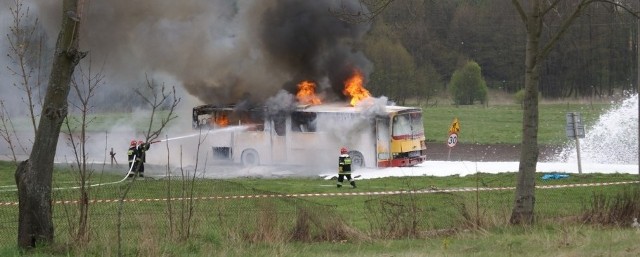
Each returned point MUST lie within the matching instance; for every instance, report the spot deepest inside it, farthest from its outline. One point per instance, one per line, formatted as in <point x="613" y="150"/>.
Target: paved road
<point x="477" y="152"/>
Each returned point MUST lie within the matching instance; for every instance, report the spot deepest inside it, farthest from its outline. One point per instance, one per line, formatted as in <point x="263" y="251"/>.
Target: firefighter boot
<point x="353" y="184"/>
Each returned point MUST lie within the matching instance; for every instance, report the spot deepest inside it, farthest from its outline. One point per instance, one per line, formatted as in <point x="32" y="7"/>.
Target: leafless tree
<point x="157" y="99"/>
<point x="187" y="193"/>
<point x="537" y="16"/>
<point x="24" y="52"/>
<point x="537" y="49"/>
<point x="34" y="176"/>
<point x="84" y="86"/>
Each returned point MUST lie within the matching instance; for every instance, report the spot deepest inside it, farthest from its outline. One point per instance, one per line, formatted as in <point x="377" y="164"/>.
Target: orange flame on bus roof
<point x="307" y="93"/>
<point x="353" y="88"/>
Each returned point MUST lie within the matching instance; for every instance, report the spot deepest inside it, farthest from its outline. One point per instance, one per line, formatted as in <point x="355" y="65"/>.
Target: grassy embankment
<point x="427" y="224"/>
<point x="502" y="124"/>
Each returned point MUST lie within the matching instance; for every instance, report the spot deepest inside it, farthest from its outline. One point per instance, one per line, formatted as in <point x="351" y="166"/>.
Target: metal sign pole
<point x="575" y="132"/>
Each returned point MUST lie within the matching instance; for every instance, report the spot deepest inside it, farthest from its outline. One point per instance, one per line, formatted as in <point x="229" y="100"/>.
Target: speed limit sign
<point x="453" y="139"/>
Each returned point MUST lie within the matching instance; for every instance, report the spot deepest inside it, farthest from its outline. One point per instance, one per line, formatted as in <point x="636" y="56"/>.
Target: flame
<point x="353" y="88"/>
<point x="307" y="93"/>
<point x="222" y="120"/>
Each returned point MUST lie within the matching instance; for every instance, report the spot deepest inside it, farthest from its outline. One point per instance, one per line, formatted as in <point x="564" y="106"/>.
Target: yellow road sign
<point x="455" y="126"/>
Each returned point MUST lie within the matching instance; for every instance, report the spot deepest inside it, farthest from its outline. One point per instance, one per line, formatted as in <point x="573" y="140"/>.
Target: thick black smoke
<point x="220" y="51"/>
<point x="305" y="39"/>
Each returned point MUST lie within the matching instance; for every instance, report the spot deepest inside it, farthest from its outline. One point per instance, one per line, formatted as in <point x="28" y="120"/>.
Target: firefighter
<point x="142" y="153"/>
<point x="133" y="156"/>
<point x="344" y="168"/>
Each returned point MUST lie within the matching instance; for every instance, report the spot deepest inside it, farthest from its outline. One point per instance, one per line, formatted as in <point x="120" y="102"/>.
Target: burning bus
<point x="310" y="132"/>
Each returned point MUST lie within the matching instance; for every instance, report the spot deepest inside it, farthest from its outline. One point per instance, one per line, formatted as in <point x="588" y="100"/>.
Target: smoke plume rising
<point x="221" y="51"/>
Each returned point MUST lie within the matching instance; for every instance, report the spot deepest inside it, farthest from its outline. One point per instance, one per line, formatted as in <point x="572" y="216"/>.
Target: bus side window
<point x="303" y="122"/>
<point x="280" y="126"/>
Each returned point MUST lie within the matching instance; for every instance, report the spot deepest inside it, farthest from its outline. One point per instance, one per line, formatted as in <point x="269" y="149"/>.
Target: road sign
<point x="453" y="140"/>
<point x="455" y="126"/>
<point x="574" y="127"/>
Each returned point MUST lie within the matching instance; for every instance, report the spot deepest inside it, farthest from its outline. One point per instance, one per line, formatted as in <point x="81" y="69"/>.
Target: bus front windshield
<point x="407" y="125"/>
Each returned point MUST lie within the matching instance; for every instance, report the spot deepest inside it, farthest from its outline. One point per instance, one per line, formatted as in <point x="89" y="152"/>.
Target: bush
<point x="519" y="97"/>
<point x="467" y="85"/>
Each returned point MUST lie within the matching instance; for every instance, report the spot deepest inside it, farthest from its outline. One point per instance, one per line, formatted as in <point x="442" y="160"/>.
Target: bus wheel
<point x="357" y="160"/>
<point x="250" y="157"/>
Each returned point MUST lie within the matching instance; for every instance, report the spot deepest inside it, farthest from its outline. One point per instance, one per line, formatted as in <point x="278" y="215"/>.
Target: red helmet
<point x="140" y="142"/>
<point x="343" y="150"/>
<point x="133" y="142"/>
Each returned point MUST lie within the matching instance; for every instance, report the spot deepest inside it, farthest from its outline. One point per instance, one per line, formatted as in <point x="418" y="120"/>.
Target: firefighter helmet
<point x="343" y="150"/>
<point x="133" y="142"/>
<point x="140" y="142"/>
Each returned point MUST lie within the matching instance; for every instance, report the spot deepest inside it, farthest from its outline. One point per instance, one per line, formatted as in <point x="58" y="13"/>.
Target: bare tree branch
<point x="166" y="100"/>
<point x="518" y="6"/>
<point x="8" y="133"/>
<point x="85" y="88"/>
<point x="21" y="52"/>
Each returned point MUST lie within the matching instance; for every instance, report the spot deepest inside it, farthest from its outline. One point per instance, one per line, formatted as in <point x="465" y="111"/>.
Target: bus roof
<point x="345" y="108"/>
<point x="322" y="108"/>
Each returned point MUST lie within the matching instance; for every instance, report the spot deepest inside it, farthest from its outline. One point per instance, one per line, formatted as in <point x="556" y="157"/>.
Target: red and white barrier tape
<point x="423" y="191"/>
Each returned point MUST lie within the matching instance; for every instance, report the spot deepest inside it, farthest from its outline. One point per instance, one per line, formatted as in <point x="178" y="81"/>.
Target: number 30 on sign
<point x="453" y="139"/>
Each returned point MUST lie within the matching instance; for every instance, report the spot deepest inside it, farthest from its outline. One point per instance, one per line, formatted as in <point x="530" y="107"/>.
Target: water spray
<point x="212" y="131"/>
<point x="613" y="139"/>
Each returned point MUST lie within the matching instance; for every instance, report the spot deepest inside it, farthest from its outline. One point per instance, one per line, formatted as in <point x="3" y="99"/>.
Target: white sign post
<point x="575" y="130"/>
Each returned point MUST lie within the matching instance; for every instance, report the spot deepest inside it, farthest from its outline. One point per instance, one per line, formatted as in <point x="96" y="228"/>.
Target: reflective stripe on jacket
<point x="344" y="164"/>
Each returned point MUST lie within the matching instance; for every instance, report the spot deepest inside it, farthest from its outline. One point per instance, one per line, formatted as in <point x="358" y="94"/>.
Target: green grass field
<point x="318" y="222"/>
<point x="503" y="123"/>
<point x="498" y="124"/>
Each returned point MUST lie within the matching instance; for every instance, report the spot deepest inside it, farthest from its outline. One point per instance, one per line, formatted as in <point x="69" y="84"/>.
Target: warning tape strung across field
<point x="423" y="191"/>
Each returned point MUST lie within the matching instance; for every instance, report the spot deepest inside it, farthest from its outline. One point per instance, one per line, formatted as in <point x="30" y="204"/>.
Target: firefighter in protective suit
<point x="133" y="156"/>
<point x="344" y="168"/>
<point x="142" y="153"/>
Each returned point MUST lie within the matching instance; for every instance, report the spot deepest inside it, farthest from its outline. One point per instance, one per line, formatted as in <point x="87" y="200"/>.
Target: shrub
<point x="467" y="85"/>
<point x="519" y="97"/>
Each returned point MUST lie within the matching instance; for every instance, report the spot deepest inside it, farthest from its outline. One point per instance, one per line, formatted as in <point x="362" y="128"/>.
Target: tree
<point x="157" y="99"/>
<point x="85" y="86"/>
<point x="536" y="51"/>
<point x="24" y="51"/>
<point x="34" y="175"/>
<point x="467" y="85"/>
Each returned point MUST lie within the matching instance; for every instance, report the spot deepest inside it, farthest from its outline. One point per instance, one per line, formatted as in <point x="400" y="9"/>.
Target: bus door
<point x="383" y="142"/>
<point x="278" y="138"/>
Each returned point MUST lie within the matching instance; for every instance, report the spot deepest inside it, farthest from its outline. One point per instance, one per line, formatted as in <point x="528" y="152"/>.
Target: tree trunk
<point x="34" y="176"/>
<point x="523" y="208"/>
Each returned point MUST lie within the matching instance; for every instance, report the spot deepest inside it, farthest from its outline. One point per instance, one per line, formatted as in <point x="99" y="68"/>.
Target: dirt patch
<point x="484" y="152"/>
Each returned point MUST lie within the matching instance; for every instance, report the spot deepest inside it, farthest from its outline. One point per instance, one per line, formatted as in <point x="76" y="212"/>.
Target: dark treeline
<point x="418" y="44"/>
